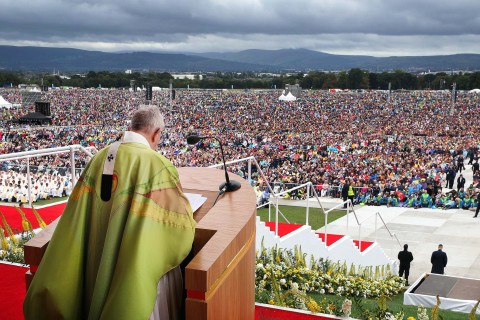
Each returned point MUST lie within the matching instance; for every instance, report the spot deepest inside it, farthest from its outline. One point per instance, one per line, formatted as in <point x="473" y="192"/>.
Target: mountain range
<point x="77" y="60"/>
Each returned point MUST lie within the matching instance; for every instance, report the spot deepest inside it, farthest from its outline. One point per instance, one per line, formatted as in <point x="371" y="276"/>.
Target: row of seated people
<point x="14" y="187"/>
<point x="421" y="199"/>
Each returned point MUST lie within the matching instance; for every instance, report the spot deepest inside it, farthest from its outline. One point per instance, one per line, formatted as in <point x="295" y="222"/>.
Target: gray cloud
<point x="349" y="26"/>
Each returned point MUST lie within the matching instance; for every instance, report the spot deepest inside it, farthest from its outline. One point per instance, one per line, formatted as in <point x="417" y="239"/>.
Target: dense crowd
<point x="400" y="146"/>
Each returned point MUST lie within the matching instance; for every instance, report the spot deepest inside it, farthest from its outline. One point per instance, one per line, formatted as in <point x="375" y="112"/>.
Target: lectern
<point x="220" y="270"/>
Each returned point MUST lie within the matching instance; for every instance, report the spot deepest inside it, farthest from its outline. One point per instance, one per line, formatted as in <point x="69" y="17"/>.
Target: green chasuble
<point x="105" y="258"/>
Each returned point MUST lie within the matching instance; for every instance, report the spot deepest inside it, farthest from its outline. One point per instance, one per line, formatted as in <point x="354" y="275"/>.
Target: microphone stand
<point x="228" y="185"/>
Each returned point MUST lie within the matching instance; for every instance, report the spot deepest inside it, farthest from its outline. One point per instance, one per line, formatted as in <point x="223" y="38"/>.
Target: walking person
<point x="439" y="260"/>
<point x="478" y="204"/>
<point x="405" y="258"/>
<point x="460" y="164"/>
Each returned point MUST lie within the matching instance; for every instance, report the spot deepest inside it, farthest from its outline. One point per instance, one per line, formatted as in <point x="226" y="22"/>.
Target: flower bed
<point x="288" y="270"/>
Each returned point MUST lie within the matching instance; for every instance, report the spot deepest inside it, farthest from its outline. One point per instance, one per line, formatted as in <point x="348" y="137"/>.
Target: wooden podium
<point x="220" y="271"/>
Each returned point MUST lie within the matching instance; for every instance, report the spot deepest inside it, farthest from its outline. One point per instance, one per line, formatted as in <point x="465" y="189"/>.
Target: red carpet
<point x="12" y="291"/>
<point x="365" y="244"/>
<point x="283" y="228"/>
<point x="331" y="238"/>
<point x="14" y="219"/>
<point x="263" y="312"/>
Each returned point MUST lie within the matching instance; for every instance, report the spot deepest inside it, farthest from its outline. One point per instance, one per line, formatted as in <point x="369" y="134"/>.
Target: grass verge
<point x="316" y="217"/>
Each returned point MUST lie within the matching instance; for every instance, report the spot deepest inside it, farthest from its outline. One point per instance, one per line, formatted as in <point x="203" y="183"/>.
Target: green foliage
<point x="473" y="313"/>
<point x="352" y="79"/>
<point x="14" y="253"/>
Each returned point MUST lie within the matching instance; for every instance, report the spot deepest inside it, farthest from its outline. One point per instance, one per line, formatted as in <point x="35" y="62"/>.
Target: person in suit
<point x="460" y="182"/>
<point x="478" y="204"/>
<point x="405" y="258"/>
<point x="439" y="260"/>
<point x="345" y="188"/>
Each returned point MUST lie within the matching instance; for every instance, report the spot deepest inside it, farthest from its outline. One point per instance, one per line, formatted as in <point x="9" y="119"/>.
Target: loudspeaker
<point x="43" y="108"/>
<point x="133" y="85"/>
<point x="44" y="88"/>
<point x="148" y="92"/>
<point x="173" y="94"/>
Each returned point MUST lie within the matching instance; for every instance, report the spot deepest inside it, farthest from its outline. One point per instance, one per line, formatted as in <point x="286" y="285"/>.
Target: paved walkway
<point x="423" y="229"/>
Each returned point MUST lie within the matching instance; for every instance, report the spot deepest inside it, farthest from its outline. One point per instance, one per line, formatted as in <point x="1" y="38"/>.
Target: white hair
<point x="147" y="118"/>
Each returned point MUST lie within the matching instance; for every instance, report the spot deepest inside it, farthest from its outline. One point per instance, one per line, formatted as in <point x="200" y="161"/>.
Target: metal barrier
<point x="47" y="152"/>
<point x="350" y="208"/>
<point x="332" y="190"/>
<point x="308" y="185"/>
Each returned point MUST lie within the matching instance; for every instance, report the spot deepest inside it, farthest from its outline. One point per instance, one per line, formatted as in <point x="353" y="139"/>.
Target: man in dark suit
<point x="478" y="204"/>
<point x="345" y="188"/>
<point x="460" y="182"/>
<point x="405" y="258"/>
<point x="450" y="178"/>
<point x="439" y="260"/>
<point x="475" y="167"/>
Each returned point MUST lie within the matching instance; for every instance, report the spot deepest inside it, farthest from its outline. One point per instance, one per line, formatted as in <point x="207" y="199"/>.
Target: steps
<point x="337" y="247"/>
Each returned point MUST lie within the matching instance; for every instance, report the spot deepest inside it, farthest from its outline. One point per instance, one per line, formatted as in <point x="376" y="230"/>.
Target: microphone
<point x="228" y="185"/>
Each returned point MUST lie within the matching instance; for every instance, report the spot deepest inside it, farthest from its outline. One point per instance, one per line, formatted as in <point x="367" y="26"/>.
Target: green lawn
<point x="316" y="217"/>
<point x="394" y="305"/>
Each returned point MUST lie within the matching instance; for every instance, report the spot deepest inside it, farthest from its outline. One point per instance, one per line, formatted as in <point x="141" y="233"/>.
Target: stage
<point x="455" y="293"/>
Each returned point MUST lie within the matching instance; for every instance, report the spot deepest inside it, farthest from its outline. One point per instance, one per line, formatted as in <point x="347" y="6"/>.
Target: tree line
<point x="352" y="79"/>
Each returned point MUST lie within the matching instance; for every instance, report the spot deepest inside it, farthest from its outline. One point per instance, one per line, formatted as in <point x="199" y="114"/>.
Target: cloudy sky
<point x="371" y="27"/>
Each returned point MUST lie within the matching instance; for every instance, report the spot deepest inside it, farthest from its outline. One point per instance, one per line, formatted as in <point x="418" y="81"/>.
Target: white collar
<point x="130" y="136"/>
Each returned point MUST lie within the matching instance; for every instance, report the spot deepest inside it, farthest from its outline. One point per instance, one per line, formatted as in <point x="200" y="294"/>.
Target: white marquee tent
<point x="288" y="97"/>
<point x="4" y="103"/>
<point x="474" y="91"/>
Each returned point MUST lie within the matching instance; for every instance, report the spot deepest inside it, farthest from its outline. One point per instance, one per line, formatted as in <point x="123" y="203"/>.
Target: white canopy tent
<point x="288" y="97"/>
<point x="4" y="103"/>
<point x="474" y="91"/>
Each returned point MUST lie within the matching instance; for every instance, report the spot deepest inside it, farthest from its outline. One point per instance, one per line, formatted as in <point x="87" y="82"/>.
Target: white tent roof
<point x="4" y="103"/>
<point x="474" y="91"/>
<point x="288" y="97"/>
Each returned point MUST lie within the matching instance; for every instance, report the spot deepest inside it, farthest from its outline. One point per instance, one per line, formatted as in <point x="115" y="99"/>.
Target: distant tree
<point x="342" y="80"/>
<point x="357" y="79"/>
<point x="10" y="78"/>
<point x="330" y="82"/>
<point x="372" y="80"/>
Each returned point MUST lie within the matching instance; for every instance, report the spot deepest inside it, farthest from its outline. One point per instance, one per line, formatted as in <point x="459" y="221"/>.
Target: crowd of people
<point x="14" y="186"/>
<point x="392" y="150"/>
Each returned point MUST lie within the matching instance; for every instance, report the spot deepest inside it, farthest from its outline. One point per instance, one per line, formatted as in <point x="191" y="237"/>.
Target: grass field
<point x="316" y="217"/>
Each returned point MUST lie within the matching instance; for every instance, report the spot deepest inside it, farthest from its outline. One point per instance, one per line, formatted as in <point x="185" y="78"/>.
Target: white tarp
<point x="456" y="305"/>
<point x="4" y="103"/>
